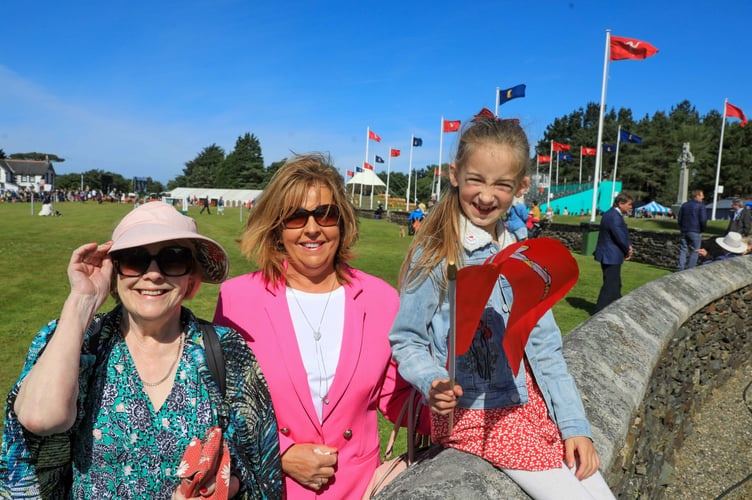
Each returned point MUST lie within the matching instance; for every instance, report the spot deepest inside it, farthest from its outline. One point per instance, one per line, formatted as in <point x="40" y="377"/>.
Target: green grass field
<point x="34" y="253"/>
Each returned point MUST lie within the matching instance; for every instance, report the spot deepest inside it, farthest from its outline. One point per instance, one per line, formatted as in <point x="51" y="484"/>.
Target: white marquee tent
<point x="367" y="178"/>
<point x="231" y="197"/>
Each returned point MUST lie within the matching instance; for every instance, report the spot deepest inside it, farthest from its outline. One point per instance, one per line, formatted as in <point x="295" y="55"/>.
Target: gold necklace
<point x="172" y="366"/>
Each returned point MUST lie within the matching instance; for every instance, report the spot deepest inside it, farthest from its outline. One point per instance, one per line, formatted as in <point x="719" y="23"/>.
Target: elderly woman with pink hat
<point x="107" y="404"/>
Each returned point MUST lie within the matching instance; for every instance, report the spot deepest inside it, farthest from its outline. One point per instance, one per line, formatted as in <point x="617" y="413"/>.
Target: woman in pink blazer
<point x="319" y="329"/>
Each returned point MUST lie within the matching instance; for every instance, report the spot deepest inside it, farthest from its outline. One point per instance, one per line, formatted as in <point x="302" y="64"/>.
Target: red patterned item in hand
<point x="201" y="462"/>
<point x="541" y="271"/>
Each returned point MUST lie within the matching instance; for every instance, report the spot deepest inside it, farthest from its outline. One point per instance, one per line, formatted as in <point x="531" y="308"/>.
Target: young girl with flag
<point x="523" y="415"/>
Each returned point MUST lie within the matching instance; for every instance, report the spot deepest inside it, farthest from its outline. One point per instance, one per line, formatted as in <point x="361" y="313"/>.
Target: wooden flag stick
<point x="452" y="337"/>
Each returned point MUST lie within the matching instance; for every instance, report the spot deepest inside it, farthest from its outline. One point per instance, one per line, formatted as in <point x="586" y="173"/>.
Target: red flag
<point x="451" y="126"/>
<point x="629" y="48"/>
<point x="394" y="152"/>
<point x="587" y="151"/>
<point x="435" y="171"/>
<point x="560" y="147"/>
<point x="542" y="267"/>
<point x="372" y="135"/>
<point x="485" y="113"/>
<point x="541" y="159"/>
<point x="367" y="165"/>
<point x="350" y="173"/>
<point x="732" y="110"/>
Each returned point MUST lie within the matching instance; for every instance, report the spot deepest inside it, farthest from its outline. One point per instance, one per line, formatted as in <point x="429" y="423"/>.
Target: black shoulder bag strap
<point x="215" y="361"/>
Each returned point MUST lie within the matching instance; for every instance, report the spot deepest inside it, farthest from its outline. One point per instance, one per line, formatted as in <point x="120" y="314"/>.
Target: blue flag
<point x="628" y="137"/>
<point x="509" y="94"/>
<point x="379" y="159"/>
<point x="358" y="169"/>
<point x="565" y="156"/>
<point x="609" y="148"/>
<point x="417" y="142"/>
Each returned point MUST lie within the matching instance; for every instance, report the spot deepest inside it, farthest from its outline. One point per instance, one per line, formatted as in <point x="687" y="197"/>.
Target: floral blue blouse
<point x="120" y="447"/>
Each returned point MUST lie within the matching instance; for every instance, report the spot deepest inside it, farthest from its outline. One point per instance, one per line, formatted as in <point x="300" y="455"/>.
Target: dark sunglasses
<point x="172" y="261"/>
<point x="324" y="215"/>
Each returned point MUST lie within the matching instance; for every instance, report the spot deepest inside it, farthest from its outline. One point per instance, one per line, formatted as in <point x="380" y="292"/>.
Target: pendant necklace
<point x="317" y="338"/>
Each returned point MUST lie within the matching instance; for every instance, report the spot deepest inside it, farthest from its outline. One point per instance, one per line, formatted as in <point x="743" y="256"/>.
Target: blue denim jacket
<point x="419" y="346"/>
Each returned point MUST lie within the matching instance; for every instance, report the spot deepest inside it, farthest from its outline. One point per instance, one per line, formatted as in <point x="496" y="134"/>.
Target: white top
<point x="320" y="359"/>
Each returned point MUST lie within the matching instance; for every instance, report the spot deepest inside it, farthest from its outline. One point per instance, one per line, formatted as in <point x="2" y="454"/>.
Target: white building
<point x="20" y="174"/>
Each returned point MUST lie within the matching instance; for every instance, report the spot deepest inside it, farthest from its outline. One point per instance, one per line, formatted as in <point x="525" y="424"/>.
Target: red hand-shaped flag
<point x="541" y="271"/>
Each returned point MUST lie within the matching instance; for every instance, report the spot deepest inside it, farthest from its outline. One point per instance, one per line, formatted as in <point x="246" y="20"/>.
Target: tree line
<point x="650" y="170"/>
<point x="243" y="168"/>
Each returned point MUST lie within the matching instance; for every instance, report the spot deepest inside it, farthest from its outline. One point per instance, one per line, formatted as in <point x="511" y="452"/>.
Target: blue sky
<point x="139" y="88"/>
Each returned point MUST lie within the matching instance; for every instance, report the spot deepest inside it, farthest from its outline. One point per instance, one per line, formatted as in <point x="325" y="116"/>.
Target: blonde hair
<point x="286" y="192"/>
<point x="438" y="238"/>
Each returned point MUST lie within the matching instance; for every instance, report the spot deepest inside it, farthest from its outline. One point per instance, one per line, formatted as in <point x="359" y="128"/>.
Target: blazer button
<point x="347" y="434"/>
<point x="285" y="431"/>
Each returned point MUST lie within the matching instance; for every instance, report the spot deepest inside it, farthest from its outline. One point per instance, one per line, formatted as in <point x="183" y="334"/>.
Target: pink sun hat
<point x="155" y="222"/>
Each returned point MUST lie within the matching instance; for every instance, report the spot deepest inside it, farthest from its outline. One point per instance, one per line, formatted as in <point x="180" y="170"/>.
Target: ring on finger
<point x="320" y="483"/>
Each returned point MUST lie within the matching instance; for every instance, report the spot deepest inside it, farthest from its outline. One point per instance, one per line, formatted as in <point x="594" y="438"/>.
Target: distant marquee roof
<point x="244" y="195"/>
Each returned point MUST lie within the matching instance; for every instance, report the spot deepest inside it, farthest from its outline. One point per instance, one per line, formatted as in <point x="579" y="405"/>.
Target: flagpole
<point x="497" y="101"/>
<point x="409" y="172"/>
<point x="558" y="153"/>
<point x="360" y="199"/>
<point x="550" y="171"/>
<point x="616" y="163"/>
<point x="365" y="161"/>
<point x="368" y="138"/>
<point x="388" y="172"/>
<point x="441" y="147"/>
<point x="374" y="173"/>
<point x="718" y="167"/>
<point x="415" y="188"/>
<point x="580" y="181"/>
<point x="598" y="152"/>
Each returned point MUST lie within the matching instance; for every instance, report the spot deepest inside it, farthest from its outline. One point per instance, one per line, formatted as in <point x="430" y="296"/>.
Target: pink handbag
<point x="392" y="467"/>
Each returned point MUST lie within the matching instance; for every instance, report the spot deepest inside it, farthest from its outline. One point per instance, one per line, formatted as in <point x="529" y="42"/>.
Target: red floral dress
<point x="518" y="437"/>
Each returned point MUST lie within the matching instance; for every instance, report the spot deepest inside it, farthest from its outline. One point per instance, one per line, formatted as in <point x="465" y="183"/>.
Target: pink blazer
<point x="366" y="377"/>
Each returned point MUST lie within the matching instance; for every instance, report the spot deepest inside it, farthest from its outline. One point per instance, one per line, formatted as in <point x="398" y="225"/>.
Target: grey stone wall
<point x="657" y="248"/>
<point x="643" y="365"/>
<point x="700" y="356"/>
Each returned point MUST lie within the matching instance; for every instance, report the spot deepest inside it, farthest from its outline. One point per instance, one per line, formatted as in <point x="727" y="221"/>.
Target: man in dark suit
<point x="741" y="221"/>
<point x="613" y="248"/>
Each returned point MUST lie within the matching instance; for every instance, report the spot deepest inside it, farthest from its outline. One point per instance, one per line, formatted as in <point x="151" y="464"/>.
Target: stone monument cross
<point x="685" y="158"/>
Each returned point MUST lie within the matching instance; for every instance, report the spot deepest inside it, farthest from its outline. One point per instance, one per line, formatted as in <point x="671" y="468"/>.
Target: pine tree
<point x="202" y="171"/>
<point x="244" y="167"/>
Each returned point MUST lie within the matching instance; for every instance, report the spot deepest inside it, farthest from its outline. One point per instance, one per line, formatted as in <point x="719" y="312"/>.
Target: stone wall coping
<point x="612" y="354"/>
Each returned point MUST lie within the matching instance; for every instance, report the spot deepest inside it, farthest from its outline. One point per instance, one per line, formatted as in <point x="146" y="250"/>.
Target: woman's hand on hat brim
<point x="90" y="271"/>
